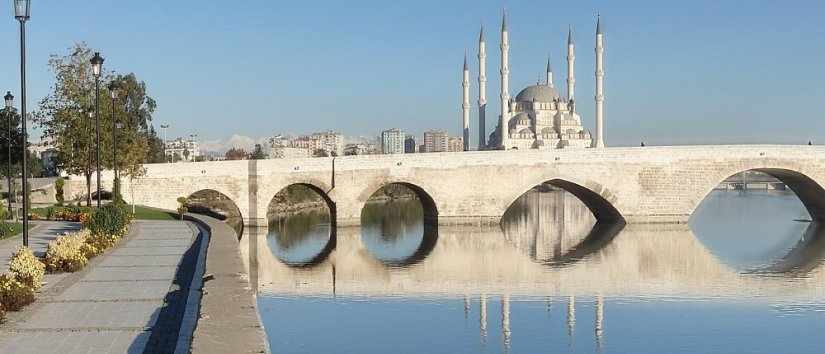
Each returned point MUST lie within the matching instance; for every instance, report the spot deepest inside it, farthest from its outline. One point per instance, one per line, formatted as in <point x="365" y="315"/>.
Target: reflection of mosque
<point x="547" y="223"/>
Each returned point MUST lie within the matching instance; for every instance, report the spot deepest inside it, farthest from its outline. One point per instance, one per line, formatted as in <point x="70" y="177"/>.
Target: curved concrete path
<point x="122" y="302"/>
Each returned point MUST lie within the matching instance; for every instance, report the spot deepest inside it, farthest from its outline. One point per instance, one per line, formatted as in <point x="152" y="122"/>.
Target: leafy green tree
<point x="235" y="154"/>
<point x="65" y="120"/>
<point x="258" y="153"/>
<point x="16" y="141"/>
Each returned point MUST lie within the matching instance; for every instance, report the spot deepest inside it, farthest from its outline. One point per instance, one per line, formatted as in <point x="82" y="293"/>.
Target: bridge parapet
<point x="644" y="184"/>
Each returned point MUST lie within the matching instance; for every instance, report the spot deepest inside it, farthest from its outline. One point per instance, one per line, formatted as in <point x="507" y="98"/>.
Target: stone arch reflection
<point x="759" y="221"/>
<point x="301" y="225"/>
<point x="804" y="257"/>
<point x="398" y="225"/>
<point x="217" y="205"/>
<point x="555" y="227"/>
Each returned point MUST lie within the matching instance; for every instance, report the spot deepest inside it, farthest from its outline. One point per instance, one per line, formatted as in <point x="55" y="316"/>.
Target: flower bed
<point x="102" y="229"/>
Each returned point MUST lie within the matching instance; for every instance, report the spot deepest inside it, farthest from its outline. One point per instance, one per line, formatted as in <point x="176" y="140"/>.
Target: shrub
<point x="27" y="268"/>
<point x="67" y="253"/>
<point x="58" y="190"/>
<point x="183" y="207"/>
<point x="100" y="242"/>
<point x="6" y="229"/>
<point x="13" y="293"/>
<point x="111" y="220"/>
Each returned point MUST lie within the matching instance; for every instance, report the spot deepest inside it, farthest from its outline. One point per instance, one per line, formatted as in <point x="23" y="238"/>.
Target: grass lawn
<point x="141" y="213"/>
<point x="146" y="213"/>
<point x="16" y="228"/>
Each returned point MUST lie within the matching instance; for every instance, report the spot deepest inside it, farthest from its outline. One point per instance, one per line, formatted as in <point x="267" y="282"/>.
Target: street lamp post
<point x="165" y="127"/>
<point x="9" y="103"/>
<point x="22" y="12"/>
<point x="113" y="92"/>
<point x="97" y="64"/>
<point x="91" y="116"/>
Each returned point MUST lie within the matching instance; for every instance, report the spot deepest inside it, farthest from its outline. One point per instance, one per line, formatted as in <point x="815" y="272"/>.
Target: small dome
<point x="539" y="93"/>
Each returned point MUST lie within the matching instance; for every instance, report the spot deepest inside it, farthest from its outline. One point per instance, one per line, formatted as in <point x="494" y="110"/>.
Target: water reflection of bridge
<point x="641" y="261"/>
<point x="548" y="247"/>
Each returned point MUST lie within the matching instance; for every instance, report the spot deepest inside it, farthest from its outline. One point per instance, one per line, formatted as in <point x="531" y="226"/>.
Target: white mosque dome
<point x="539" y="93"/>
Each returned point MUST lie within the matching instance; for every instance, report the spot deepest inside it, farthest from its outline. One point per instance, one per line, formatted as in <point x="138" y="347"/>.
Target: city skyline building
<point x="181" y="149"/>
<point x="436" y="141"/>
<point x="392" y="141"/>
<point x="410" y="146"/>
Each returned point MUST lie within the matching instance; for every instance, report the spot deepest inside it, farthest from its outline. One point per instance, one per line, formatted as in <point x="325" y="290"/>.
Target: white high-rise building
<point x="392" y="141"/>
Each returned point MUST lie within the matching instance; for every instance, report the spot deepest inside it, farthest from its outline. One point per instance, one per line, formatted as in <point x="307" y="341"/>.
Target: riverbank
<point x="228" y="317"/>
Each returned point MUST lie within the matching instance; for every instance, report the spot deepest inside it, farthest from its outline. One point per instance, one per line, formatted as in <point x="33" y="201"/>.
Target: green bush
<point x="6" y="229"/>
<point x="58" y="190"/>
<point x="13" y="293"/>
<point x="109" y="220"/>
<point x="27" y="268"/>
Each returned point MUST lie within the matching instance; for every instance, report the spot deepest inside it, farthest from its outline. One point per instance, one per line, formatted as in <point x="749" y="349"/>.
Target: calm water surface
<point x="744" y="276"/>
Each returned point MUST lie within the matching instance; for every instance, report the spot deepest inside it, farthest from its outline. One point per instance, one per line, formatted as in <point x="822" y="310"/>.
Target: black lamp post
<point x="97" y="66"/>
<point x="9" y="103"/>
<point x="22" y="12"/>
<point x="91" y="115"/>
<point x="113" y="92"/>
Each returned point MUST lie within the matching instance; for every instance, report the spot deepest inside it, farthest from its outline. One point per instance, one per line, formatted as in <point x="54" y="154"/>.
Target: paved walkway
<point x="126" y="301"/>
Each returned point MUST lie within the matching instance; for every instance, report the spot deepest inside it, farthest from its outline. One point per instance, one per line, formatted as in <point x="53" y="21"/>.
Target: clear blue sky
<point x="687" y="72"/>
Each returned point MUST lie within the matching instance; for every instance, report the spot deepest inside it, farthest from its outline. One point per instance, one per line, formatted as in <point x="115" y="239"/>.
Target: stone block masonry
<point x="643" y="184"/>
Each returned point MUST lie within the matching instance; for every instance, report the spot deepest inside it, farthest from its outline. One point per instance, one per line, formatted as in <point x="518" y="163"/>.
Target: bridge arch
<point x="808" y="190"/>
<point x="218" y="205"/>
<point x="318" y="188"/>
<point x="428" y="203"/>
<point x="597" y="202"/>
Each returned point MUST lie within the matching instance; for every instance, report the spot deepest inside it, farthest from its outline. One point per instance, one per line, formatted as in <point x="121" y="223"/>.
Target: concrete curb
<point x="228" y="320"/>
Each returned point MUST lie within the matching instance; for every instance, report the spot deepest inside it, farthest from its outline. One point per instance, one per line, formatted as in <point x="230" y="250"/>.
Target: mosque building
<point x="538" y="117"/>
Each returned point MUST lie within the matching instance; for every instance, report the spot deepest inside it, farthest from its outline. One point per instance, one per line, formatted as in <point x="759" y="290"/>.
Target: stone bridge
<point x="638" y="185"/>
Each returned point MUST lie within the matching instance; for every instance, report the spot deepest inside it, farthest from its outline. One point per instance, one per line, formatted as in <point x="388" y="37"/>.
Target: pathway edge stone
<point x="228" y="320"/>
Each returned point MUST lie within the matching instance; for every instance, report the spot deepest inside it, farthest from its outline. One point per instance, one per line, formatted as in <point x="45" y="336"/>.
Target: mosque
<point x="538" y="117"/>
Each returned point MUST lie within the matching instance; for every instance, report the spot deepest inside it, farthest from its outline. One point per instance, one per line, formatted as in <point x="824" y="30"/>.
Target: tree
<point x="258" y="153"/>
<point x="16" y="142"/>
<point x="63" y="115"/>
<point x="235" y="154"/>
<point x="320" y="153"/>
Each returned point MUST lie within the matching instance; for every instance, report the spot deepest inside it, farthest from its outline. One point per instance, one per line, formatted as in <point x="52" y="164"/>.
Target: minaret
<point x="571" y="66"/>
<point x="505" y="83"/>
<point x="549" y="73"/>
<point x="482" y="90"/>
<point x="598" y="142"/>
<point x="465" y="105"/>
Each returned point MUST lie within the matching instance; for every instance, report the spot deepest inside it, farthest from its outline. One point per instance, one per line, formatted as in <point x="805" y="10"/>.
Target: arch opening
<point x="399" y="225"/>
<point x="301" y="225"/>
<point x="764" y="220"/>
<point x="215" y="204"/>
<point x="559" y="222"/>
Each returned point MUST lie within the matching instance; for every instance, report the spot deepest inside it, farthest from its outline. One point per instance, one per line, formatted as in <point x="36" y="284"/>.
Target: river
<point x="743" y="276"/>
